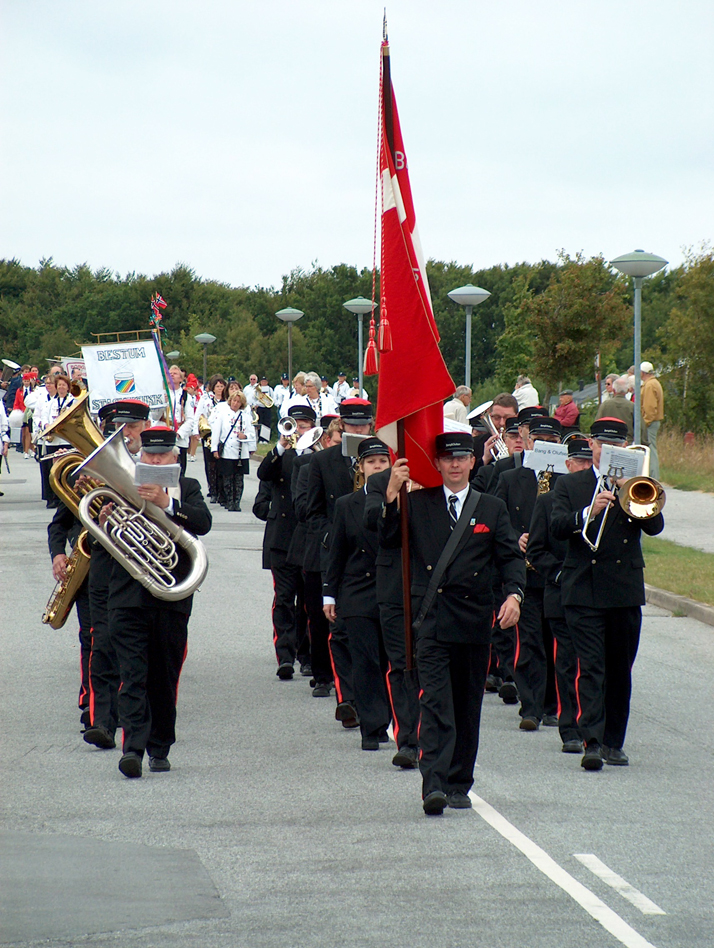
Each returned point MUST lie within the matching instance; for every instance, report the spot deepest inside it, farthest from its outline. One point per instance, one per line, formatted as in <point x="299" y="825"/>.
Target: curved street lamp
<point x="638" y="265"/>
<point x="468" y="296"/>
<point x="360" y="307"/>
<point x="205" y="339"/>
<point x="290" y="315"/>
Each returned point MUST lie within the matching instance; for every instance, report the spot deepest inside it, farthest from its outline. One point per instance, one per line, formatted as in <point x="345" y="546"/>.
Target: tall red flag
<point x="405" y="303"/>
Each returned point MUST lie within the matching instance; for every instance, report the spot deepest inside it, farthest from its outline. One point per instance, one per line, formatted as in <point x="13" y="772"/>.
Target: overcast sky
<point x="240" y="138"/>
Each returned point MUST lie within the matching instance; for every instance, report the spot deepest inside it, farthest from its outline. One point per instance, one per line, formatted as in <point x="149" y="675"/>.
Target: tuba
<point x="76" y="426"/>
<point x="138" y="534"/>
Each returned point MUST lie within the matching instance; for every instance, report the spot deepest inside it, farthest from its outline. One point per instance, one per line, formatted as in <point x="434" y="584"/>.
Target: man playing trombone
<point x="603" y="592"/>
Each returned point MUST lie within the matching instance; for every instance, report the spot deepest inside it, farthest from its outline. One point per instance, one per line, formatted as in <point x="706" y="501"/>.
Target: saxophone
<point x="544" y="479"/>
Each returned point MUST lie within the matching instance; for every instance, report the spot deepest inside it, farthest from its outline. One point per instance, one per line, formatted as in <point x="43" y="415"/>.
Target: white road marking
<point x="627" y="891"/>
<point x="594" y="906"/>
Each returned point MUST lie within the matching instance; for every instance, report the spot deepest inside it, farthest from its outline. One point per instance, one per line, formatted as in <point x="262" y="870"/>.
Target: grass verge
<point x="686" y="466"/>
<point x="679" y="569"/>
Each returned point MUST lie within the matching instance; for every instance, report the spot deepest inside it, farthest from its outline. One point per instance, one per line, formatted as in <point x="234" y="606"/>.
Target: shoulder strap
<point x="518" y="459"/>
<point x="447" y="554"/>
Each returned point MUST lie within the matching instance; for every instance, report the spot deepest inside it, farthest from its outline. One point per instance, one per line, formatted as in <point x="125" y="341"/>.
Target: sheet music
<point x="621" y="462"/>
<point x="546" y="456"/>
<point x="165" y="475"/>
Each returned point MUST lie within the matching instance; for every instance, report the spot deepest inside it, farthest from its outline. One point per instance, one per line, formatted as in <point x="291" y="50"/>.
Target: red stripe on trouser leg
<point x="183" y="660"/>
<point x="421" y="692"/>
<point x="338" y="683"/>
<point x="577" y="693"/>
<point x="555" y="665"/>
<point x="395" y="727"/>
<point x="518" y="648"/>
<point x="272" y="613"/>
<point x="91" y="690"/>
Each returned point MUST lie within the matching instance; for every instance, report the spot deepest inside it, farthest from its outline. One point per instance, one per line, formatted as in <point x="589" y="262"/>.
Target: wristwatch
<point x="518" y="596"/>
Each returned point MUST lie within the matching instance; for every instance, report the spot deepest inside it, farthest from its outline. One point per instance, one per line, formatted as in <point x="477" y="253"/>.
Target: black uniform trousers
<point x="605" y="642"/>
<point x="533" y="669"/>
<point x="209" y="464"/>
<point x="503" y="644"/>
<point x="103" y="662"/>
<point x="289" y="619"/>
<point x="341" y="661"/>
<point x="85" y="644"/>
<point x="319" y="628"/>
<point x="182" y="459"/>
<point x="566" y="669"/>
<point x="402" y="685"/>
<point x="151" y="645"/>
<point x="452" y="676"/>
<point x="369" y="666"/>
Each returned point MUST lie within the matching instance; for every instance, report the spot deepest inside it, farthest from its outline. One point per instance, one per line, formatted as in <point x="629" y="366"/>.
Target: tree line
<point x="548" y="320"/>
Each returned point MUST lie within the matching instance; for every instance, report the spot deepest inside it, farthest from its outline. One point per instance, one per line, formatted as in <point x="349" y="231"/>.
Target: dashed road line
<point x="627" y="891"/>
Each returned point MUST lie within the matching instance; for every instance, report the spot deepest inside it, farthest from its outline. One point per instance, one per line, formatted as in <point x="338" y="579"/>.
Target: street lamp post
<point x="468" y="296"/>
<point x="638" y="265"/>
<point x="173" y="355"/>
<point x="205" y="339"/>
<point x="290" y="315"/>
<point x="360" y="307"/>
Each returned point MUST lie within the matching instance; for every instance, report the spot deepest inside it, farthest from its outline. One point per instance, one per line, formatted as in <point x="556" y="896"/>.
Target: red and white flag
<point x="413" y="378"/>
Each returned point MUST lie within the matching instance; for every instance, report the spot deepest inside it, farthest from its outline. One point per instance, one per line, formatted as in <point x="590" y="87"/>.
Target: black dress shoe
<point x="406" y="757"/>
<point x="435" y="803"/>
<point x="100" y="737"/>
<point x="493" y="683"/>
<point x="322" y="689"/>
<point x="285" y="671"/>
<point x="383" y="737"/>
<point x="458" y="800"/>
<point x="573" y="746"/>
<point x="159" y="765"/>
<point x="370" y="744"/>
<point x="306" y="669"/>
<point x="508" y="692"/>
<point x="130" y="764"/>
<point x="615" y="756"/>
<point x="528" y="723"/>
<point x="592" y="758"/>
<point x="550" y="720"/>
<point x="346" y="712"/>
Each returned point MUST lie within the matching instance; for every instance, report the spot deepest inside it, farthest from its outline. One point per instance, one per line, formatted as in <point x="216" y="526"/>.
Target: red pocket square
<point x="481" y="528"/>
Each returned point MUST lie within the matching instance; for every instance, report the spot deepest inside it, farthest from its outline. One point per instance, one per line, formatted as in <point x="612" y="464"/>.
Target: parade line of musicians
<point x="507" y="597"/>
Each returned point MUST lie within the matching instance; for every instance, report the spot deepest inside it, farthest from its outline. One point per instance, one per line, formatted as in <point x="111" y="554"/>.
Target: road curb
<point x="679" y="604"/>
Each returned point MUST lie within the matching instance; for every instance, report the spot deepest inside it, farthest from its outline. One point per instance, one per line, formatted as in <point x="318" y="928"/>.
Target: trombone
<point x="641" y="497"/>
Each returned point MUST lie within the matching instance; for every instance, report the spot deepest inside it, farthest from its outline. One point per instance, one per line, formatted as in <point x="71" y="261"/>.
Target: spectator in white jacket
<point x="525" y="393"/>
<point x="183" y="407"/>
<point x="232" y="428"/>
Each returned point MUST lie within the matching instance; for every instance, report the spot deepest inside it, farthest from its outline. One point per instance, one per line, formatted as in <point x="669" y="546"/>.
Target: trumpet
<point x="640" y="497"/>
<point x="287" y="427"/>
<point x="499" y="451"/>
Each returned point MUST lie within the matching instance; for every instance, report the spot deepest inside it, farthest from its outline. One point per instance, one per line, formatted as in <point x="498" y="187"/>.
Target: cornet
<point x="499" y="450"/>
<point x="287" y="428"/>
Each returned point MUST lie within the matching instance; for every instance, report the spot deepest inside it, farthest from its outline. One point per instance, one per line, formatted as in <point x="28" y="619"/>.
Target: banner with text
<point x="124" y="370"/>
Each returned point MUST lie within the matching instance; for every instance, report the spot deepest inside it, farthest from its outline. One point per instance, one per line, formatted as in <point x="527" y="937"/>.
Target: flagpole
<point x="401" y="442"/>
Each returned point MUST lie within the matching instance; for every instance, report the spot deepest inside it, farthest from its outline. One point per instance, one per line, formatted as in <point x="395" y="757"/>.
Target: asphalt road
<point x="275" y="830"/>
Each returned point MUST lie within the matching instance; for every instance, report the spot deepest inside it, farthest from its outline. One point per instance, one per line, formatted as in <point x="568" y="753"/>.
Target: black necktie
<point x="453" y="516"/>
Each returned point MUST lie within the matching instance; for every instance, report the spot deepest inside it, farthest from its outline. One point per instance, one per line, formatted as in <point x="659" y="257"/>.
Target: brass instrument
<point x="138" y="534"/>
<point x="640" y="497"/>
<point x="265" y="400"/>
<point x="310" y="440"/>
<point x="65" y="592"/>
<point x="76" y="426"/>
<point x="287" y="428"/>
<point x="358" y="478"/>
<point x="254" y="420"/>
<point x="544" y="479"/>
<point x="204" y="429"/>
<point x="499" y="451"/>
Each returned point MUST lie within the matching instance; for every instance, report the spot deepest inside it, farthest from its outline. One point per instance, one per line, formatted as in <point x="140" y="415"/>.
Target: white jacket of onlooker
<point x="184" y="406"/>
<point x="221" y="422"/>
<point x="456" y="410"/>
<point x="526" y="396"/>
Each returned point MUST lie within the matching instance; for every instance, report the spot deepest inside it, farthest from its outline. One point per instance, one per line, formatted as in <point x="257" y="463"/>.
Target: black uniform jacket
<point x="63" y="529"/>
<point x="305" y="546"/>
<point x="547" y="554"/>
<point x="277" y="469"/>
<point x="613" y="577"/>
<point x="486" y="477"/>
<point x="464" y="604"/>
<point x="191" y="513"/>
<point x="330" y="478"/>
<point x="518" y="490"/>
<point x="389" y="561"/>
<point x="351" y="575"/>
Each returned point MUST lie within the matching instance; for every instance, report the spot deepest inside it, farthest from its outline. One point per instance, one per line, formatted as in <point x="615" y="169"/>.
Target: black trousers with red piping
<point x="369" y="666"/>
<point x="533" y="668"/>
<point x="402" y="685"/>
<point x="319" y="627"/>
<point x="85" y="644"/>
<point x="566" y="667"/>
<point x="151" y="647"/>
<point x="288" y="591"/>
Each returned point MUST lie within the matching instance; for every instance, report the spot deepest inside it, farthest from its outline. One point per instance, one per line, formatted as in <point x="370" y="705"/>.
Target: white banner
<point x="69" y="365"/>
<point x="124" y="370"/>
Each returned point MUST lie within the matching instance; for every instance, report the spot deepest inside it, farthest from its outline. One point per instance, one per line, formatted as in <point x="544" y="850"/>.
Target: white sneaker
<point x="191" y="458"/>
<point x="25" y="456"/>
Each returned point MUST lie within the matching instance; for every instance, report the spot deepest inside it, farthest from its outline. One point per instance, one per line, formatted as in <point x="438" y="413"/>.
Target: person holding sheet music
<point x="603" y="593"/>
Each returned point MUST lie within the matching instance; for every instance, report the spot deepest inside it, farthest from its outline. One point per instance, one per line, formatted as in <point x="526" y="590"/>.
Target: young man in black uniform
<point x="150" y="635"/>
<point x="289" y="618"/>
<point x="533" y="669"/>
<point x="547" y="555"/>
<point x="603" y="594"/>
<point x="331" y="477"/>
<point x="349" y="591"/>
<point x="453" y="639"/>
